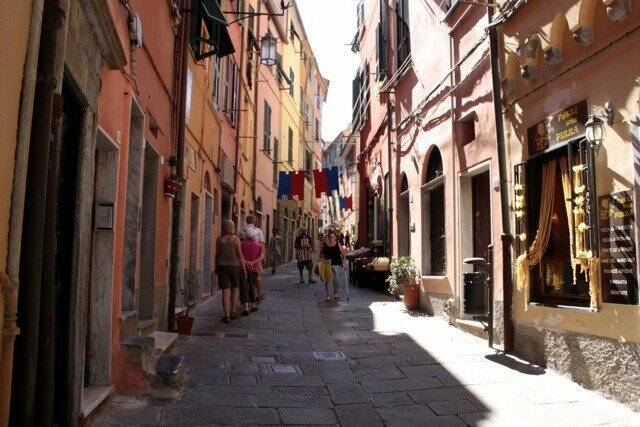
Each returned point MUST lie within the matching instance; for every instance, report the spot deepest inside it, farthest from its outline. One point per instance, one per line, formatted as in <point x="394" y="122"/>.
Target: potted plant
<point x="403" y="278"/>
<point x="184" y="322"/>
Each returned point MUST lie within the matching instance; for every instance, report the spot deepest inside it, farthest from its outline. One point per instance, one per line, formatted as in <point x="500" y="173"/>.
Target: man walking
<point x="304" y="247"/>
<point x="275" y="250"/>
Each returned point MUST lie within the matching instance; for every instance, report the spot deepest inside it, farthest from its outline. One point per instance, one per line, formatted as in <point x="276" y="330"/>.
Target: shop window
<point x="556" y="225"/>
<point x="434" y="245"/>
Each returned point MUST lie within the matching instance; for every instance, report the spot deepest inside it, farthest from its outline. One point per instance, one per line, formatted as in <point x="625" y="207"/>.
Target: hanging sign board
<point x="618" y="267"/>
<point x="564" y="126"/>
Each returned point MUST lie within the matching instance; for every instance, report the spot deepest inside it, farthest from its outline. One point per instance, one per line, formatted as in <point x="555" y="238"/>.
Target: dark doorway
<point x="481" y="207"/>
<point x="404" y="231"/>
<point x="193" y="249"/>
<point x="206" y="244"/>
<point x="148" y="233"/>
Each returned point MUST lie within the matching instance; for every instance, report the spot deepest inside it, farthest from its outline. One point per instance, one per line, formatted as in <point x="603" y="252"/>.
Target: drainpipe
<point x="10" y="284"/>
<point x="237" y="111"/>
<point x="391" y="180"/>
<point x="507" y="281"/>
<point x="46" y="97"/>
<point x="255" y="112"/>
<point x="182" y="58"/>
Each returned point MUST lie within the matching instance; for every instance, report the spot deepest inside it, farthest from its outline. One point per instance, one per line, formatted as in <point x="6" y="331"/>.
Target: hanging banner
<point x="618" y="248"/>
<point x="564" y="126"/>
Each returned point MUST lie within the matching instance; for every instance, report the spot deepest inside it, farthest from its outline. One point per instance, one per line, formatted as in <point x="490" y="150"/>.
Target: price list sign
<point x="618" y="248"/>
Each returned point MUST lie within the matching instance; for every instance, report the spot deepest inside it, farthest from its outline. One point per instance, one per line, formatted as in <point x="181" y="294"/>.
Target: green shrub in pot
<point x="402" y="271"/>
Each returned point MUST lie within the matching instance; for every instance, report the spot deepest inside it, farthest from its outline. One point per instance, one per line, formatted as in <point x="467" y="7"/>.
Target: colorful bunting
<point x="333" y="179"/>
<point x="284" y="185"/>
<point x="320" y="181"/>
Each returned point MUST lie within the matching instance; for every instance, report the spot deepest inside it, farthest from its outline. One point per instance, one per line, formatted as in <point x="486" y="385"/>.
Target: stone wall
<point x="608" y="366"/>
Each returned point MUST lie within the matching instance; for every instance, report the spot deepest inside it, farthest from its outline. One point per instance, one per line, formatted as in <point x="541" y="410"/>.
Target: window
<point x="266" y="128"/>
<point x="360" y="111"/>
<point x="228" y="75"/>
<point x="308" y="165"/>
<point x="381" y="42"/>
<point x="404" y="37"/>
<point x="232" y="85"/>
<point x="290" y="147"/>
<point x="318" y="97"/>
<point x="548" y="180"/>
<point x="291" y="82"/>
<point x="467" y="130"/>
<point x="317" y="130"/>
<point x="434" y="247"/>
<point x="275" y="161"/>
<point x="450" y="4"/>
<point x="360" y="13"/>
<point x="251" y="51"/>
<point x="217" y="76"/>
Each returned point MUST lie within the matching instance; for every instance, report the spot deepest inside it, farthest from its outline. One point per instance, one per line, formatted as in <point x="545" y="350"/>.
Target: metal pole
<point x="182" y="58"/>
<point x="506" y="238"/>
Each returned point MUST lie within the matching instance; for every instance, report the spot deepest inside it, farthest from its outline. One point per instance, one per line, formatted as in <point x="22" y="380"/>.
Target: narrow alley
<point x="366" y="362"/>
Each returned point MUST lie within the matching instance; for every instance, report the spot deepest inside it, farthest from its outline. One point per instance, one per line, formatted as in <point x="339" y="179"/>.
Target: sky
<point x="330" y="27"/>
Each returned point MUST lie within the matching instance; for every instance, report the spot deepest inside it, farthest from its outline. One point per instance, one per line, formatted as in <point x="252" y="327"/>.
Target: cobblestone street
<point x="395" y="368"/>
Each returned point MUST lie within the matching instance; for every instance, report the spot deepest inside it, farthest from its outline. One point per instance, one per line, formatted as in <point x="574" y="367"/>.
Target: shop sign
<point x="618" y="248"/>
<point x="561" y="127"/>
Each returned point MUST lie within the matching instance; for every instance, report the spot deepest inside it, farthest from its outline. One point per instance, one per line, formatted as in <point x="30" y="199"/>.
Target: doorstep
<point x="472" y="327"/>
<point x="92" y="397"/>
<point x="164" y="340"/>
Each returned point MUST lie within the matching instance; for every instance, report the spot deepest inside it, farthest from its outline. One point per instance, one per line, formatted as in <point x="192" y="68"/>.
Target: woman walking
<point x="332" y="251"/>
<point x="230" y="268"/>
<point x="253" y="253"/>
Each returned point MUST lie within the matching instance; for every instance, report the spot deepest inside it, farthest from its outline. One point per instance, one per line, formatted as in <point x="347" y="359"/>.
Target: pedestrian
<point x="253" y="253"/>
<point x="334" y="252"/>
<point x="304" y="248"/>
<point x="341" y="239"/>
<point x="347" y="240"/>
<point x="275" y="250"/>
<point x="230" y="267"/>
<point x="253" y="232"/>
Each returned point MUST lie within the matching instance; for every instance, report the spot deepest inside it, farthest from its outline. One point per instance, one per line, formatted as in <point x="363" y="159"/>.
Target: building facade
<point x="428" y="142"/>
<point x="575" y="306"/>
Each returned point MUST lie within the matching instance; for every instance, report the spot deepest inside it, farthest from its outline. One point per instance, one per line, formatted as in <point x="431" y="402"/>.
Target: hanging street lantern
<point x="268" y="51"/>
<point x="595" y="132"/>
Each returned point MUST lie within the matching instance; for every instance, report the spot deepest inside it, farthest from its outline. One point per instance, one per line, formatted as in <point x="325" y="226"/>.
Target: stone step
<point x="472" y="327"/>
<point x="92" y="398"/>
<point x="164" y="340"/>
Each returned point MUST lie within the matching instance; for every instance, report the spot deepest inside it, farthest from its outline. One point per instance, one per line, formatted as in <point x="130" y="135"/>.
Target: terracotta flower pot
<point x="184" y="324"/>
<point x="411" y="297"/>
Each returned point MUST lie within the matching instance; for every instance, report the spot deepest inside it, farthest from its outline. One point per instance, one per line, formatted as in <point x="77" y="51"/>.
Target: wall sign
<point x="561" y="127"/>
<point x="618" y="248"/>
<point x="104" y="216"/>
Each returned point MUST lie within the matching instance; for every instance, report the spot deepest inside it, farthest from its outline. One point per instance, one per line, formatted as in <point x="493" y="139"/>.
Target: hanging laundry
<point x="320" y="182"/>
<point x="333" y="179"/>
<point x="284" y="185"/>
<point x="343" y="203"/>
<point x="349" y="203"/>
<point x="297" y="185"/>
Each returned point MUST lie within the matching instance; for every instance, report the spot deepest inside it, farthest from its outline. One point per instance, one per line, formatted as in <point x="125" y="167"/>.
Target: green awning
<point x="209" y="11"/>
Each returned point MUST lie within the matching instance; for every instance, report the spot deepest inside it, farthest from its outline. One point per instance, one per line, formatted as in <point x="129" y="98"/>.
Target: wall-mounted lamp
<point x="595" y="130"/>
<point x="268" y="49"/>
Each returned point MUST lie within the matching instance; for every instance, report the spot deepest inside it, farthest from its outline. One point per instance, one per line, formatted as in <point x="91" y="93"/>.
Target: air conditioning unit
<point x="135" y="30"/>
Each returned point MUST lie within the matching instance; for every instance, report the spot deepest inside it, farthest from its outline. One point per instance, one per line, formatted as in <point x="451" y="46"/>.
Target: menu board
<point x="618" y="248"/>
<point x="563" y="126"/>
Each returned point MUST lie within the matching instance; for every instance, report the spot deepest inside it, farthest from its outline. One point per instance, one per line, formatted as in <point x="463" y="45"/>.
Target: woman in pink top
<point x="253" y="254"/>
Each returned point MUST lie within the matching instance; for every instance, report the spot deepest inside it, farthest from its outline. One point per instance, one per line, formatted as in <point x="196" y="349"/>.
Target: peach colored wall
<point x="608" y="76"/>
<point x="147" y="77"/>
<point x="14" y="21"/>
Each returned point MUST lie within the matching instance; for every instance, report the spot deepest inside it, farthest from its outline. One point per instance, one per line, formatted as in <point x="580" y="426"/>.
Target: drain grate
<point x="236" y="335"/>
<point x="204" y="334"/>
<point x="328" y="355"/>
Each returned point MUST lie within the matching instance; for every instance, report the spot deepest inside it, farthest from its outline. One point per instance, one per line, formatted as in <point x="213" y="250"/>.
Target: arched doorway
<point x="404" y="219"/>
<point x="434" y="247"/>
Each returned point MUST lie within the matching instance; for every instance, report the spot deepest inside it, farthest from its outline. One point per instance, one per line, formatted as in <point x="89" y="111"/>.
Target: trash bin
<point x="475" y="294"/>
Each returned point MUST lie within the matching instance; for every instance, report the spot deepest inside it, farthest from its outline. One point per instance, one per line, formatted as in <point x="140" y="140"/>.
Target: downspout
<point x="176" y="220"/>
<point x="392" y="193"/>
<point x="9" y="289"/>
<point x="47" y="104"/>
<point x="254" y="175"/>
<point x="237" y="109"/>
<point x="507" y="280"/>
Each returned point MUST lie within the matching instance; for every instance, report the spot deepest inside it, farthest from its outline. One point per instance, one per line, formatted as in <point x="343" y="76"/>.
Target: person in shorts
<point x="304" y="248"/>
<point x="230" y="265"/>
<point x="253" y="253"/>
<point x="253" y="232"/>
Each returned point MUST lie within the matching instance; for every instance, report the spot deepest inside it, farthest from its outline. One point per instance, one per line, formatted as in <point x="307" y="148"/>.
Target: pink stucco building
<point x="428" y="165"/>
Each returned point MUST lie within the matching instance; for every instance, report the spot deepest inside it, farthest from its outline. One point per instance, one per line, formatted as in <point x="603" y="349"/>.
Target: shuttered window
<point x="404" y="38"/>
<point x="266" y="128"/>
<point x="381" y="41"/>
<point x="217" y="76"/>
<point x="276" y="155"/>
<point x="290" y="146"/>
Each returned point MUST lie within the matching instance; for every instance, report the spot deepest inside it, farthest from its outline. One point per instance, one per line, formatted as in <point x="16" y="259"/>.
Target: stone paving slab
<point x="399" y="369"/>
